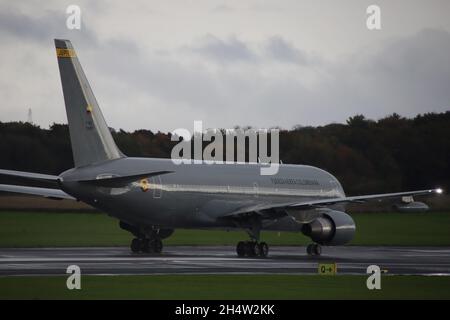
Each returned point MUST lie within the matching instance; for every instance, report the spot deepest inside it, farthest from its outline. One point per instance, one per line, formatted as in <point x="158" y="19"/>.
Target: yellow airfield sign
<point x="327" y="269"/>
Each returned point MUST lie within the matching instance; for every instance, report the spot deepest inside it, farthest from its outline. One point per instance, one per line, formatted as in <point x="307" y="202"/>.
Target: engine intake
<point x="332" y="228"/>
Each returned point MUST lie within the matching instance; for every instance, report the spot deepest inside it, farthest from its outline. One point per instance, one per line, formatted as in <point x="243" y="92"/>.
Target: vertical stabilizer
<point x="89" y="134"/>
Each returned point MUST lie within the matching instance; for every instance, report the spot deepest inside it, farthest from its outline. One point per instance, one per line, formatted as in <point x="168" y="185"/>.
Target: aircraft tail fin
<point x="90" y="136"/>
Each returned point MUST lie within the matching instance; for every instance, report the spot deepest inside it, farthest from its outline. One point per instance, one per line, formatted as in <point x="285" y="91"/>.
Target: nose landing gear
<point x="314" y="249"/>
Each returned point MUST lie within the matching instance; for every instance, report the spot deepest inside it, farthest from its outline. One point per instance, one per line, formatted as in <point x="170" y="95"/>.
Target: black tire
<point x="251" y="248"/>
<point x="263" y="249"/>
<point x="135" y="245"/>
<point x="240" y="249"/>
<point x="157" y="246"/>
<point x="317" y="249"/>
<point x="309" y="250"/>
<point x="145" y="246"/>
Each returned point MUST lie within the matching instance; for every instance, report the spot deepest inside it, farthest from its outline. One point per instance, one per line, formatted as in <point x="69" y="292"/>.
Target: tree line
<point x="387" y="155"/>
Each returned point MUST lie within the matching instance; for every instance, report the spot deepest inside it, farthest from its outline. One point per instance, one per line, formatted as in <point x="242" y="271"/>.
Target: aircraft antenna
<point x="30" y="116"/>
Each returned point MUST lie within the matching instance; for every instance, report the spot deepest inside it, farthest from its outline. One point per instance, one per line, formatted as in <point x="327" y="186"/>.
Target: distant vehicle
<point x="152" y="197"/>
<point x="408" y="205"/>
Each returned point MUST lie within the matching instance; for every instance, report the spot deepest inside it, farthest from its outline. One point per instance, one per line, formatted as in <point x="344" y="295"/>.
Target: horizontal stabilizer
<point x="43" y="192"/>
<point x="117" y="182"/>
<point x="28" y="175"/>
<point x="29" y="179"/>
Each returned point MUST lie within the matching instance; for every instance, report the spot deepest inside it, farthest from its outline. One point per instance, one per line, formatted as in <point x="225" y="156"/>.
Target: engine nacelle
<point x="331" y="229"/>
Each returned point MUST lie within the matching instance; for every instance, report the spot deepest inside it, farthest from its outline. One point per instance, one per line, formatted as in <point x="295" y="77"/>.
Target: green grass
<point x="33" y="229"/>
<point x="225" y="287"/>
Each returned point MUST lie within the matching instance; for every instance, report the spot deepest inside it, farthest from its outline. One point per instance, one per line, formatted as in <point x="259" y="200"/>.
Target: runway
<point x="223" y="260"/>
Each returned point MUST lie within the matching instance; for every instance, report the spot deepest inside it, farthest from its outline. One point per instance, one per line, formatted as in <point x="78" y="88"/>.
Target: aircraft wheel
<point x="314" y="249"/>
<point x="317" y="249"/>
<point x="251" y="248"/>
<point x="135" y="245"/>
<point x="263" y="249"/>
<point x="240" y="249"/>
<point x="145" y="246"/>
<point x="309" y="249"/>
<point x="157" y="245"/>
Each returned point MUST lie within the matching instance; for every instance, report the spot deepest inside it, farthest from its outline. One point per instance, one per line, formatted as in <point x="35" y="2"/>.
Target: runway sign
<point x="327" y="269"/>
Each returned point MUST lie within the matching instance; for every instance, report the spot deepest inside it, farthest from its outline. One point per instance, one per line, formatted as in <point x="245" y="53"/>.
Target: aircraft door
<point x="156" y="186"/>
<point x="255" y="189"/>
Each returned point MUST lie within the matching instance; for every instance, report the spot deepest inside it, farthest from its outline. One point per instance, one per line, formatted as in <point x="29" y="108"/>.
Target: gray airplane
<point x="152" y="197"/>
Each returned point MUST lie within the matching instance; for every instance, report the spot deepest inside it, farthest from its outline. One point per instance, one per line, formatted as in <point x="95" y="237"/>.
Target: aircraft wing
<point x="44" y="192"/>
<point x="273" y="211"/>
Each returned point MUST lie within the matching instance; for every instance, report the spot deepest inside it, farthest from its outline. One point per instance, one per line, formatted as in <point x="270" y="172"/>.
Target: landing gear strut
<point x="252" y="249"/>
<point x="153" y="245"/>
<point x="314" y="249"/>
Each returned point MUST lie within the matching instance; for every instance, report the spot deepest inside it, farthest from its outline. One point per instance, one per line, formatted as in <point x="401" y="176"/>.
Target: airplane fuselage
<point x="197" y="195"/>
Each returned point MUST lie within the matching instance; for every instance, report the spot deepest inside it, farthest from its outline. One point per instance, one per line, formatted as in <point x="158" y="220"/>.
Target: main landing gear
<point x="314" y="249"/>
<point x="252" y="249"/>
<point x="147" y="240"/>
<point x="146" y="245"/>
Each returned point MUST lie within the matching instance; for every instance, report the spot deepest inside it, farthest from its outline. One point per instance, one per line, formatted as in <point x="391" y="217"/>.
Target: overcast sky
<point x="160" y="65"/>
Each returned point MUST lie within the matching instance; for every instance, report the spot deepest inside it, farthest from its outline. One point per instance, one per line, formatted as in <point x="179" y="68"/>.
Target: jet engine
<point x="332" y="228"/>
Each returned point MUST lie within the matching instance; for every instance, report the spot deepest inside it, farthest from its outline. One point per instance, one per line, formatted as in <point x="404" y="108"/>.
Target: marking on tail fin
<point x="65" y="53"/>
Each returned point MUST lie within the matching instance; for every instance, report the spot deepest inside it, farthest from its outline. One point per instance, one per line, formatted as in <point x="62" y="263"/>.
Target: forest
<point x="387" y="155"/>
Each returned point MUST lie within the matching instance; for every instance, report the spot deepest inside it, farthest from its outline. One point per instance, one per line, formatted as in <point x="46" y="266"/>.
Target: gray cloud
<point x="222" y="8"/>
<point x="224" y="51"/>
<point x="42" y="26"/>
<point x="223" y="80"/>
<point x="279" y="49"/>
